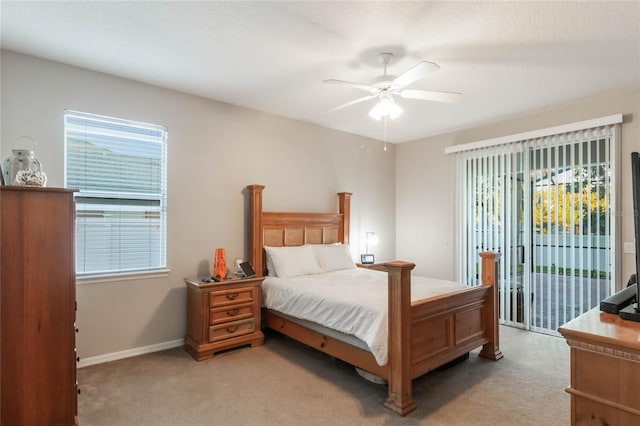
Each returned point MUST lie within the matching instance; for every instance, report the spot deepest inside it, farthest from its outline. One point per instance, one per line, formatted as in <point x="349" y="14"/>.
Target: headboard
<point x="293" y="228"/>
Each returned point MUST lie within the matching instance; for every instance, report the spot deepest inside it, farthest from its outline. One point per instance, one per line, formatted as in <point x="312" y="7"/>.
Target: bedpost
<point x="255" y="248"/>
<point x="345" y="210"/>
<point x="400" y="398"/>
<point x="491" y="349"/>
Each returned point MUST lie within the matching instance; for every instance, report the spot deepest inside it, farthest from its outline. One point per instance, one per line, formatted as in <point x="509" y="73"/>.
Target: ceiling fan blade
<point x="357" y="101"/>
<point x="430" y="95"/>
<point x="369" y="89"/>
<point x="418" y="71"/>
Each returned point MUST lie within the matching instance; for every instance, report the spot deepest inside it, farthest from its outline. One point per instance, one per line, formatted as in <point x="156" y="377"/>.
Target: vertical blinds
<point x="491" y="217"/>
<point x="573" y="239"/>
<point x="547" y="204"/>
<point x="119" y="168"/>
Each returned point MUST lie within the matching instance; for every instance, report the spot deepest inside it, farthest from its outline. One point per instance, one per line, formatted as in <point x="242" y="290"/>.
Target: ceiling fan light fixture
<point x="386" y="86"/>
<point x="386" y="107"/>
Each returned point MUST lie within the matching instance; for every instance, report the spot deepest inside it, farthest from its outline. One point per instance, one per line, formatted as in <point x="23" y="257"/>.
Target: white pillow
<point x="333" y="257"/>
<point x="293" y="261"/>
<point x="271" y="270"/>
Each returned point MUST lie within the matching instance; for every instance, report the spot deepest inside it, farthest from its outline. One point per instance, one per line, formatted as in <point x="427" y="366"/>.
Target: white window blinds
<point x="547" y="203"/>
<point x="119" y="168"/>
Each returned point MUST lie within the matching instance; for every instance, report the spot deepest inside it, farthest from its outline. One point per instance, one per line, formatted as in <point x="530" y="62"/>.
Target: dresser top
<point x="35" y="188"/>
<point x="602" y="327"/>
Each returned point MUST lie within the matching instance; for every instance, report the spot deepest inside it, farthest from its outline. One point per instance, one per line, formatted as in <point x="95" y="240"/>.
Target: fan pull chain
<point x="385" y="133"/>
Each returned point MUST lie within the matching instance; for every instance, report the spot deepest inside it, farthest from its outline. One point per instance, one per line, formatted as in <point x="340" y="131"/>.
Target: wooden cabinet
<point x="605" y="369"/>
<point x="37" y="307"/>
<point x="222" y="315"/>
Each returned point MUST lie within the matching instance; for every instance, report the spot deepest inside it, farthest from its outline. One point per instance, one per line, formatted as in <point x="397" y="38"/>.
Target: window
<point x="119" y="168"/>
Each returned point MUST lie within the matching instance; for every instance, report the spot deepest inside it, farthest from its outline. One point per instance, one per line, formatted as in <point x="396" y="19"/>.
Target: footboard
<point x="437" y="330"/>
<point x="447" y="327"/>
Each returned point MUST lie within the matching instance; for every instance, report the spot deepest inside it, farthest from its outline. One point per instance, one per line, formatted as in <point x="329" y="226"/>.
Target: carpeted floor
<point x="286" y="383"/>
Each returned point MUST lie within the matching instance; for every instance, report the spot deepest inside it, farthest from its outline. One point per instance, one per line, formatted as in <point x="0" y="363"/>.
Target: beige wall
<point x="425" y="179"/>
<point x="215" y="150"/>
<point x="405" y="195"/>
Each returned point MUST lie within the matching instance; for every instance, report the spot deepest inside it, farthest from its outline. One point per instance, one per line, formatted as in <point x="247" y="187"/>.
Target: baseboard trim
<point x="130" y="352"/>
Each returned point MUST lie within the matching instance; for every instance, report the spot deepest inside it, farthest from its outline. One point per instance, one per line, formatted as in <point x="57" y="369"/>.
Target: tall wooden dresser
<point x="37" y="307"/>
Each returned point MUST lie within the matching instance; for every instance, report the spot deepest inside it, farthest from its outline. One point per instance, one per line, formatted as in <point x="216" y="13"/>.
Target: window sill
<point x="125" y="276"/>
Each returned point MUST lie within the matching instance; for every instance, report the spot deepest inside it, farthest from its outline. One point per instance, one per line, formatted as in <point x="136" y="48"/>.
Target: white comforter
<point x="353" y="301"/>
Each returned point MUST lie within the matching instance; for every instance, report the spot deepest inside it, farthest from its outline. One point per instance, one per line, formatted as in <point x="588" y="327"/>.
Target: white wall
<point x="425" y="179"/>
<point x="215" y="150"/>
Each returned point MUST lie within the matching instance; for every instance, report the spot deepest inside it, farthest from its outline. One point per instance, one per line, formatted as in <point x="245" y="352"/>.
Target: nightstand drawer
<point x="232" y="329"/>
<point x="230" y="313"/>
<point x="231" y="297"/>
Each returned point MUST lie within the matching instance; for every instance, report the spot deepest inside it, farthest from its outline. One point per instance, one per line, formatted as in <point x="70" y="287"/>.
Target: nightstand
<point x="374" y="266"/>
<point x="222" y="315"/>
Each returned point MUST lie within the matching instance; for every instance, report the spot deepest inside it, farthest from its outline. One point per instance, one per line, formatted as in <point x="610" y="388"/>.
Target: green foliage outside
<point x="581" y="206"/>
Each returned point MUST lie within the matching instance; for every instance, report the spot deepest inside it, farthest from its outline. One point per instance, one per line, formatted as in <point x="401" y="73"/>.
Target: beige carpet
<point x="286" y="383"/>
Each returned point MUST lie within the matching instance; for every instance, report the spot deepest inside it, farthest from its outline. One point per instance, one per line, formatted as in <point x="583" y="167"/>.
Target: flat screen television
<point x="632" y="312"/>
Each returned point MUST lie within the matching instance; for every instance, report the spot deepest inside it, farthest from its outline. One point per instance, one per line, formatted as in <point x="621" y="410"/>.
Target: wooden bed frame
<point x="423" y="335"/>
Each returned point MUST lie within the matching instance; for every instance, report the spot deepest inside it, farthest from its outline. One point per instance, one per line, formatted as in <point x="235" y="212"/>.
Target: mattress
<point x="351" y="301"/>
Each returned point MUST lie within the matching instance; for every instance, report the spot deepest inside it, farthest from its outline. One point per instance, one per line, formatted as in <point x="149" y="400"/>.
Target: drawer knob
<point x="232" y="296"/>
<point x="233" y="312"/>
<point x="232" y="329"/>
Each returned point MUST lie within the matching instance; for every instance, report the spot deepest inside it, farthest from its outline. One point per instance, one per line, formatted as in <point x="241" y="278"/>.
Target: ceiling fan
<point x="386" y="86"/>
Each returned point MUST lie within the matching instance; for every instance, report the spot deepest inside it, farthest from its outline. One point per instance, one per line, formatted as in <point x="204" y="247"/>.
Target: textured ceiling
<point x="507" y="58"/>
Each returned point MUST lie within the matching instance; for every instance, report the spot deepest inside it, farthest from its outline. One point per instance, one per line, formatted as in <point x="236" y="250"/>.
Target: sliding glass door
<point x="571" y="247"/>
<point x="546" y="205"/>
<point x="493" y="219"/>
